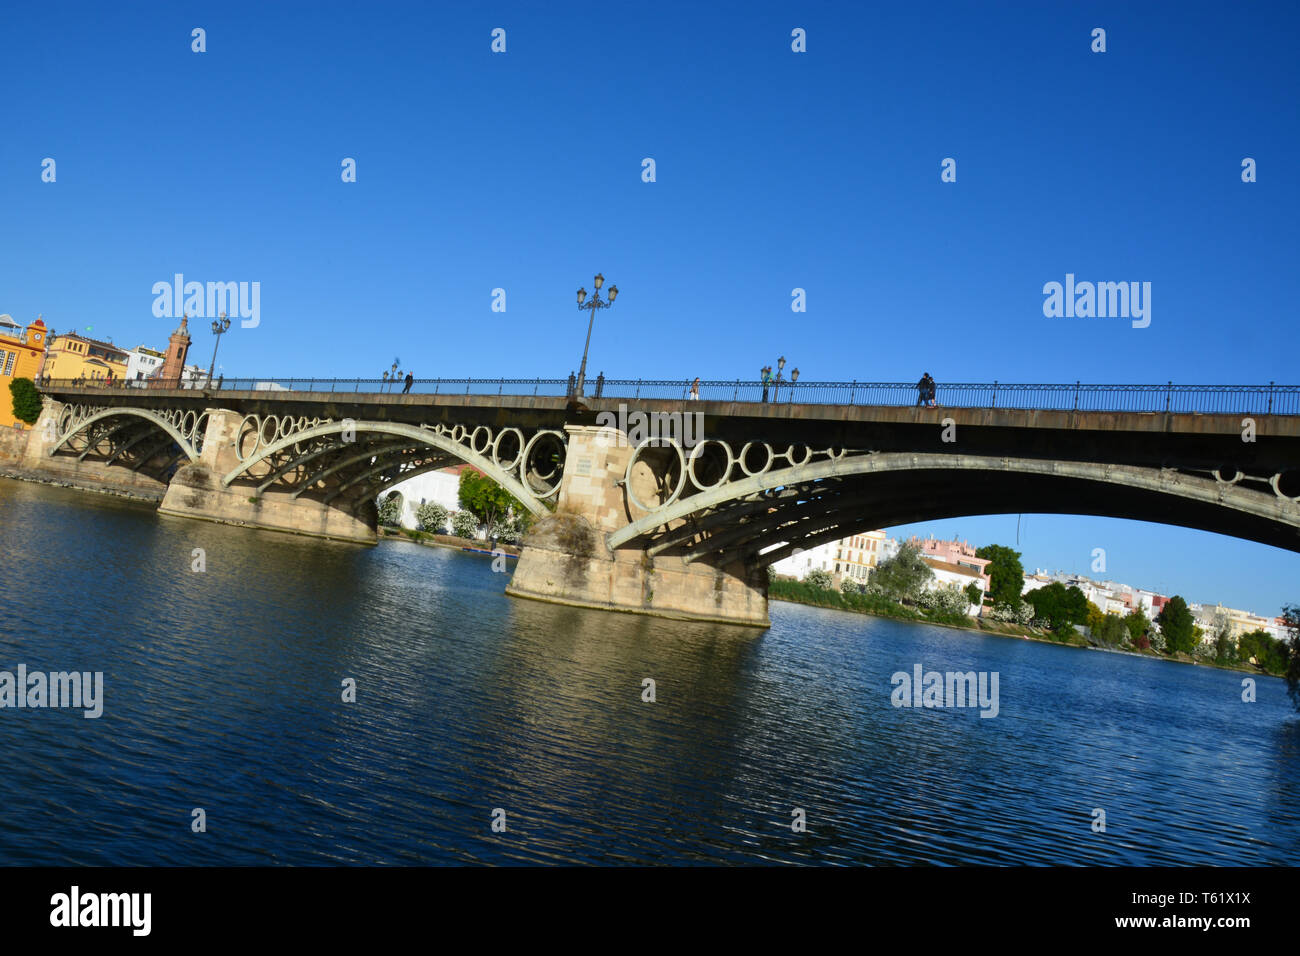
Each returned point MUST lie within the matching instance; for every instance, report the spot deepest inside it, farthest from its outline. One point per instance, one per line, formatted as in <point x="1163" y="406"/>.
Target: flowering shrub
<point x="1021" y="613"/>
<point x="464" y="524"/>
<point x="432" y="517"/>
<point x="390" y="509"/>
<point x="819" y="579"/>
<point x="946" y="600"/>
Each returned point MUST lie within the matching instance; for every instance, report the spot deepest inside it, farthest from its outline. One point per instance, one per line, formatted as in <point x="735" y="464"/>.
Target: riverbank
<point x="133" y="494"/>
<point x="798" y="592"/>
<point x="445" y="541"/>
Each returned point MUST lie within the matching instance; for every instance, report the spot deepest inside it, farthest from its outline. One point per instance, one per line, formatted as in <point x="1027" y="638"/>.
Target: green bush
<point x="26" y="400"/>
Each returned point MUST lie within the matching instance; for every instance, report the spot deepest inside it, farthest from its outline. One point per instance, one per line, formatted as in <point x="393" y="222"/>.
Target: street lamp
<point x="592" y="306"/>
<point x="776" y="383"/>
<point x="219" y="328"/>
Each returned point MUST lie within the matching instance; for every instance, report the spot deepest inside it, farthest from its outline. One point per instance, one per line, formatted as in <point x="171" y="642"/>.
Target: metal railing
<point x="1270" y="399"/>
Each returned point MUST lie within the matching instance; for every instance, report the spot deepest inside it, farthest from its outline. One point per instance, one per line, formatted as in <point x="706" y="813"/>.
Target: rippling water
<point x="223" y="691"/>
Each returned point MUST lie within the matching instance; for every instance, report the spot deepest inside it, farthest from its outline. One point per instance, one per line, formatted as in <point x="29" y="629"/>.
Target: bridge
<point x="649" y="501"/>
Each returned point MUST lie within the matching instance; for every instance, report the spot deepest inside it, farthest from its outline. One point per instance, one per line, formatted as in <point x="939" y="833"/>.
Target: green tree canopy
<point x="1268" y="652"/>
<point x="1060" y="606"/>
<point x="1177" y="626"/>
<point x="1138" y="624"/>
<point x="1006" y="576"/>
<point x="904" y="574"/>
<point x="26" y="399"/>
<point x="1291" y="619"/>
<point x="1111" y="630"/>
<point x="485" y="499"/>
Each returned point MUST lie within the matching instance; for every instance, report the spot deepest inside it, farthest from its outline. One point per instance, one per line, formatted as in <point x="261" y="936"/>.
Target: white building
<point x="820" y="558"/>
<point x="437" y="487"/>
<point x="948" y="574"/>
<point x="141" y="362"/>
<point x="852" y="557"/>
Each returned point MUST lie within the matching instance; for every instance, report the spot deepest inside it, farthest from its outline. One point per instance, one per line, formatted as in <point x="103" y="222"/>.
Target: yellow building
<point x="76" y="356"/>
<point x="856" y="556"/>
<point x="21" y="352"/>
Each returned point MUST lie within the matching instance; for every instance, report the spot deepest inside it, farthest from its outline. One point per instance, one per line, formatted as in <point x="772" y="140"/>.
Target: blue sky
<point x="775" y="170"/>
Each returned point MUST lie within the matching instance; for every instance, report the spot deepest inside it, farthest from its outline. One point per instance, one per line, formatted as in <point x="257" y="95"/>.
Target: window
<point x="9" y="362"/>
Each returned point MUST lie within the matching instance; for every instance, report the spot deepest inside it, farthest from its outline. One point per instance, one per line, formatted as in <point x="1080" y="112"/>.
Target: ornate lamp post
<point x="592" y="306"/>
<point x="776" y="382"/>
<point x="219" y="328"/>
<point x="794" y="377"/>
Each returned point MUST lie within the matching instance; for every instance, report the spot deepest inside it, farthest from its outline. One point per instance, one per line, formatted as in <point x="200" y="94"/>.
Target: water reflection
<point x="224" y="691"/>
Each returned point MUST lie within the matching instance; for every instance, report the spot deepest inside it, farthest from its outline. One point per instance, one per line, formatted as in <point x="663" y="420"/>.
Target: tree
<point x="1006" y="575"/>
<point x="485" y="499"/>
<point x="1110" y="630"/>
<point x="390" y="509"/>
<point x="1291" y="620"/>
<point x="26" y="400"/>
<point x="432" y="516"/>
<point x="1177" y="626"/>
<point x="974" y="595"/>
<point x="850" y="586"/>
<point x="464" y="524"/>
<point x="1221" y="646"/>
<point x="904" y="575"/>
<point x="1095" y="618"/>
<point x="819" y="579"/>
<point x="1266" y="651"/>
<point x="1059" y="606"/>
<point x="1138" y="624"/>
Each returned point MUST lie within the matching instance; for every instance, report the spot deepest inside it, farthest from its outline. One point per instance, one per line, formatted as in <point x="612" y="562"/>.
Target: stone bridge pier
<point x="197" y="490"/>
<point x="566" y="559"/>
<point x="133" y="470"/>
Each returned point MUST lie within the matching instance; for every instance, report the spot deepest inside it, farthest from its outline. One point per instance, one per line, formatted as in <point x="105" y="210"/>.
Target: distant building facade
<point x="853" y="557"/>
<point x="75" y="356"/>
<point x="141" y="363"/>
<point x="22" y="352"/>
<point x="440" y="487"/>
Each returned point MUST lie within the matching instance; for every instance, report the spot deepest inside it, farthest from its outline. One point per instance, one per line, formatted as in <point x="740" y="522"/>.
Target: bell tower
<point x="178" y="346"/>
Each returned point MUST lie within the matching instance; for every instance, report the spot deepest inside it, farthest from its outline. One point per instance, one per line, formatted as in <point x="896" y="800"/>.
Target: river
<point x="223" y="692"/>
